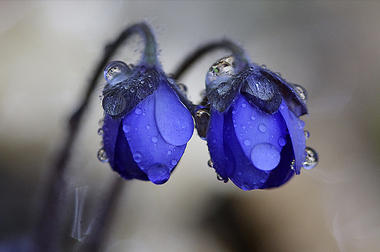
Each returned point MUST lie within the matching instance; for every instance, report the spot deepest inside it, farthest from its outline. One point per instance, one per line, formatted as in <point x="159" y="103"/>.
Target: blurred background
<point x="332" y="48"/>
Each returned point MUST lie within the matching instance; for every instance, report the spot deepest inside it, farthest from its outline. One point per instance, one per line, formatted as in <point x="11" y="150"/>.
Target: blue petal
<point x="124" y="163"/>
<point x="174" y="121"/>
<point x="261" y="136"/>
<point x="295" y="128"/>
<point x="220" y="154"/>
<point x="245" y="175"/>
<point x="149" y="149"/>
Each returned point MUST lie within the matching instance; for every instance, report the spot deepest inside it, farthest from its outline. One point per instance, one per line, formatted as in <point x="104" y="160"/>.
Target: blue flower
<point x="146" y="127"/>
<point x="255" y="136"/>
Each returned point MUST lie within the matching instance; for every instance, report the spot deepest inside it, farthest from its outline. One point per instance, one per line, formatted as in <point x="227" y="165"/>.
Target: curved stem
<point x="240" y="59"/>
<point x="46" y="237"/>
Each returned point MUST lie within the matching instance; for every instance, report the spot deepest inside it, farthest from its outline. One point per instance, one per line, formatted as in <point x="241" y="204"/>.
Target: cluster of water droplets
<point x="116" y="71"/>
<point x="102" y="155"/>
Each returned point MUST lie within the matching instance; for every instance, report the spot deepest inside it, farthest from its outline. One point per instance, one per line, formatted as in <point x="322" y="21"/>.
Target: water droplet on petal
<point x="137" y="157"/>
<point x="247" y="142"/>
<point x="263" y="66"/>
<point x="301" y="91"/>
<point x="219" y="72"/>
<point x="307" y="134"/>
<point x="253" y="118"/>
<point x="202" y="118"/>
<point x="126" y="128"/>
<point x="244" y="105"/>
<point x="100" y="131"/>
<point x="116" y="71"/>
<point x="311" y="159"/>
<point x="210" y="163"/>
<point x="220" y="178"/>
<point x="174" y="162"/>
<point x="265" y="156"/>
<point x="293" y="164"/>
<point x="262" y="127"/>
<point x="102" y="156"/>
<point x="147" y="127"/>
<point x="245" y="187"/>
<point x="154" y="139"/>
<point x="281" y="141"/>
<point x="169" y="152"/>
<point x="138" y="111"/>
<point x="158" y="173"/>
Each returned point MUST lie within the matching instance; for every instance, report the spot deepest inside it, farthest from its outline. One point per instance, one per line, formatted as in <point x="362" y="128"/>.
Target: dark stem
<point x="46" y="237"/>
<point x="240" y="59"/>
<point x="95" y="237"/>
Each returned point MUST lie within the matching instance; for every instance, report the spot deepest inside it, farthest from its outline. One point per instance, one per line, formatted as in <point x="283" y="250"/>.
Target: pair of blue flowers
<point x="250" y="119"/>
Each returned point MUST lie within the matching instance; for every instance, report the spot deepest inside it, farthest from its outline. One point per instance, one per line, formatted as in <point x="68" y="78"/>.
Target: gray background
<point x="332" y="48"/>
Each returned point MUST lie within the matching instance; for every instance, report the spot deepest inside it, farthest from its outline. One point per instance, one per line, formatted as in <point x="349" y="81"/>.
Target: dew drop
<point x="137" y="157"/>
<point x="293" y="164"/>
<point x="245" y="187"/>
<point x="301" y="91"/>
<point x="116" y="71"/>
<point x="281" y="141"/>
<point x="100" y="131"/>
<point x="253" y="118"/>
<point x="219" y="72"/>
<point x="138" y="111"/>
<point x="101" y="122"/>
<point x="307" y="134"/>
<point x="182" y="87"/>
<point x="262" y="127"/>
<point x="263" y="66"/>
<point x="210" y="163"/>
<point x="174" y="162"/>
<point x="158" y="173"/>
<point x="220" y="178"/>
<point x="147" y="127"/>
<point x="102" y="156"/>
<point x="247" y="142"/>
<point x="239" y="173"/>
<point x="126" y="128"/>
<point x="311" y="159"/>
<point x="265" y="156"/>
<point x="169" y="152"/>
<point x="244" y="105"/>
<point x="154" y="139"/>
